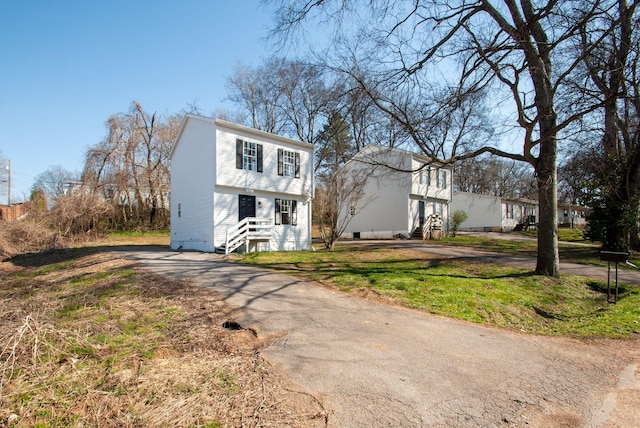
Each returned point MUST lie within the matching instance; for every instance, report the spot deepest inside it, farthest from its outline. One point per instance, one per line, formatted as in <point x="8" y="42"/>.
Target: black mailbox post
<point x="617" y="257"/>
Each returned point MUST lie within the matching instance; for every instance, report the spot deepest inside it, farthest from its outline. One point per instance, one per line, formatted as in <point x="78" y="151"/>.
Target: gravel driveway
<point x="373" y="365"/>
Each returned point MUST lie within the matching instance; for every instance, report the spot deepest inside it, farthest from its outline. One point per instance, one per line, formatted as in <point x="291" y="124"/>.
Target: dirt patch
<point x="89" y="339"/>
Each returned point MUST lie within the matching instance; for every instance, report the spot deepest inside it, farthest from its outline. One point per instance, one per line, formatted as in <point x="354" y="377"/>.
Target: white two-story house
<point x="406" y="195"/>
<point x="486" y="213"/>
<point x="236" y="187"/>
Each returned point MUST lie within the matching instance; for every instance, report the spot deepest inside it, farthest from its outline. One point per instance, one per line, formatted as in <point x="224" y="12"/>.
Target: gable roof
<point x="372" y="150"/>
<point x="500" y="199"/>
<point x="236" y="128"/>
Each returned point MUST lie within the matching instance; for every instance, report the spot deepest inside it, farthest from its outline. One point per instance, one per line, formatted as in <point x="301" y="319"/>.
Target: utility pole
<point x="9" y="184"/>
<point x="7" y="166"/>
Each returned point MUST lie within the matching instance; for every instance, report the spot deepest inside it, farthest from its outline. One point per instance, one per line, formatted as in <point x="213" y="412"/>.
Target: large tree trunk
<point x="548" y="261"/>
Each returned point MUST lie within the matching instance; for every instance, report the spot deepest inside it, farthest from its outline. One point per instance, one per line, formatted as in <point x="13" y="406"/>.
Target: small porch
<point x="246" y="235"/>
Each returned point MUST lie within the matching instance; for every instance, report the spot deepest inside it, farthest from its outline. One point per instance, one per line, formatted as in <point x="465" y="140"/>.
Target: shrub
<point x="457" y="219"/>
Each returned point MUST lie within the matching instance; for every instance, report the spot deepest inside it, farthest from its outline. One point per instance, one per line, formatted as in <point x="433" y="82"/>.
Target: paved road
<point x="378" y="366"/>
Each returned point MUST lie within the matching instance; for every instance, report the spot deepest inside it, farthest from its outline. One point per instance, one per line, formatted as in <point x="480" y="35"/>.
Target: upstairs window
<point x="248" y="156"/>
<point x="425" y="176"/>
<point x="288" y="163"/>
<point x="442" y="179"/>
<point x="286" y="212"/>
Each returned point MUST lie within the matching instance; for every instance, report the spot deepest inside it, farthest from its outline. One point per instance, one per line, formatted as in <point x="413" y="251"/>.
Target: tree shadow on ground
<point x="65" y="255"/>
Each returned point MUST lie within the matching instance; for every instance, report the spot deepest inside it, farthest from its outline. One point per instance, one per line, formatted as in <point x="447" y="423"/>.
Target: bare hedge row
<point x="72" y="221"/>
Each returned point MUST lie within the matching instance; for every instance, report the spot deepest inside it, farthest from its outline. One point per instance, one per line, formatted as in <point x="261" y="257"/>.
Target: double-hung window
<point x="442" y="178"/>
<point x="286" y="212"/>
<point x="437" y="208"/>
<point x="424" y="175"/>
<point x="288" y="163"/>
<point x="248" y="156"/>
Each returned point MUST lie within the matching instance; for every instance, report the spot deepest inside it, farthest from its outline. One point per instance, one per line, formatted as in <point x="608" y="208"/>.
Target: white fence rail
<point x="433" y="222"/>
<point x="247" y="230"/>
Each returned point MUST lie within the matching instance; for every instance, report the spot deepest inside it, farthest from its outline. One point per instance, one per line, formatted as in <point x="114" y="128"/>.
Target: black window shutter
<point x="277" y="211"/>
<point x="297" y="165"/>
<point x="259" y="157"/>
<point x="280" y="162"/>
<point x="239" y="153"/>
<point x="294" y="213"/>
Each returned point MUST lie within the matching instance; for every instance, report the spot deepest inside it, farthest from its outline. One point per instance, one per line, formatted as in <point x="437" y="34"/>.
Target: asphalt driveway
<point x="373" y="365"/>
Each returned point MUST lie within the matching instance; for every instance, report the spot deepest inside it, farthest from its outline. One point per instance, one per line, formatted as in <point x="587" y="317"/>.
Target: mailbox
<point x="614" y="256"/>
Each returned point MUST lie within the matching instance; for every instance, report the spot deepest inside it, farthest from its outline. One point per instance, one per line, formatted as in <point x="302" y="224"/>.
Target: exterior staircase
<point x="432" y="228"/>
<point x="248" y="233"/>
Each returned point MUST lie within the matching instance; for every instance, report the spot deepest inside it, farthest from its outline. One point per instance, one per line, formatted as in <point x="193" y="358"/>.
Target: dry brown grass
<point x="89" y="339"/>
<point x="18" y="237"/>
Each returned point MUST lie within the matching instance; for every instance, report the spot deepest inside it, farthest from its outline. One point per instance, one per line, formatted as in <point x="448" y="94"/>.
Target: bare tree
<point x="282" y="96"/>
<point x="488" y="175"/>
<point x="339" y="190"/>
<point x="52" y="182"/>
<point x="610" y="56"/>
<point x="338" y="199"/>
<point x="257" y="95"/>
<point x="419" y="60"/>
<point x="577" y="175"/>
<point x="130" y="167"/>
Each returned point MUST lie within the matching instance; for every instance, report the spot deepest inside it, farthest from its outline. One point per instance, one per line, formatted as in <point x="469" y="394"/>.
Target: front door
<point x="421" y="212"/>
<point x="246" y="206"/>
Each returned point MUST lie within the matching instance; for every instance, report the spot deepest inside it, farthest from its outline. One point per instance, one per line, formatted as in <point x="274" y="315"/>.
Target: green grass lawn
<point x="482" y="293"/>
<point x="127" y="237"/>
<point x="565" y="234"/>
<point x="585" y="253"/>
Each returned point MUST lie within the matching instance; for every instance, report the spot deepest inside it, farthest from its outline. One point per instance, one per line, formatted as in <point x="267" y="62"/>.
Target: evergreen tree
<point x="335" y="145"/>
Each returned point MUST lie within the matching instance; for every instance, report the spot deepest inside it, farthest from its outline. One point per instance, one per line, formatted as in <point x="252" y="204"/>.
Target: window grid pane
<point x="442" y="178"/>
<point x="285" y="211"/>
<point x="250" y="155"/>
<point x="289" y="163"/>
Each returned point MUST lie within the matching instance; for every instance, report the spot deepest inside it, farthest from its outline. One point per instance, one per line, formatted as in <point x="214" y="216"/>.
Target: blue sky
<point x="66" y="66"/>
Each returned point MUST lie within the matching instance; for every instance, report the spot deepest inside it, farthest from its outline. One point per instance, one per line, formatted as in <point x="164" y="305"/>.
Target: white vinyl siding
<point x="267" y="177"/>
<point x="192" y="171"/>
<point x="214" y="161"/>
<point x="394" y="196"/>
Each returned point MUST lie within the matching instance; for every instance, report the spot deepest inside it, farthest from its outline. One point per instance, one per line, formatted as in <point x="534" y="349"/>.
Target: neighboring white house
<point x="233" y="186"/>
<point x="494" y="214"/>
<point x="572" y="215"/>
<point x="405" y="195"/>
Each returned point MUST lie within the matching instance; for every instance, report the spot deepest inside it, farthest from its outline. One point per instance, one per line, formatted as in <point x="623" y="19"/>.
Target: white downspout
<point x="449" y="201"/>
<point x="313" y="194"/>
